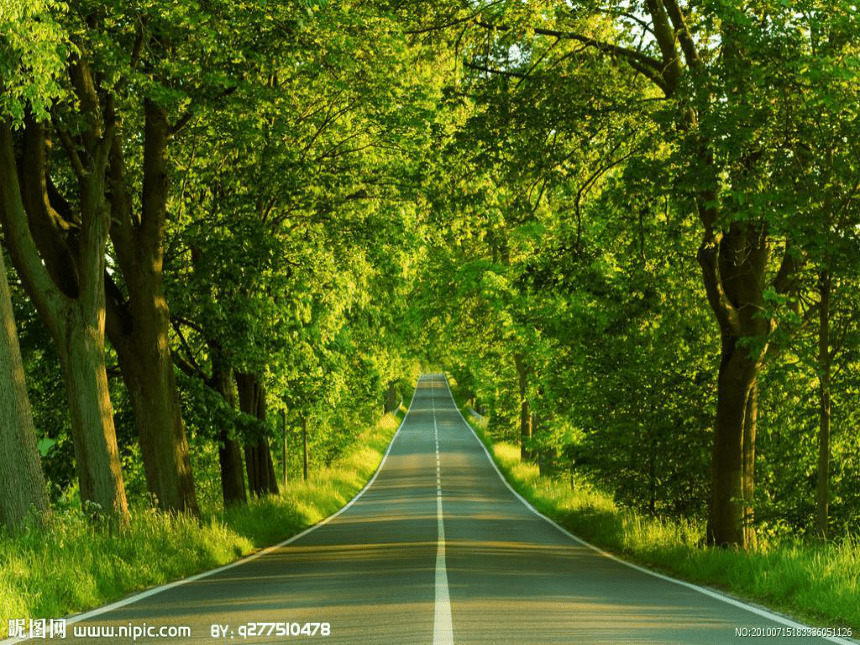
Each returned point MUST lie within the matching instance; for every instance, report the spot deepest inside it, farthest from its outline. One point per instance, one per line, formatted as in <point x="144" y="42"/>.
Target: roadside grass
<point x="816" y="583"/>
<point x="69" y="565"/>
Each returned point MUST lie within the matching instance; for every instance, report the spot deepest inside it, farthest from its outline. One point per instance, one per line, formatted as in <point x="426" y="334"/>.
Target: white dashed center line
<point x="443" y="632"/>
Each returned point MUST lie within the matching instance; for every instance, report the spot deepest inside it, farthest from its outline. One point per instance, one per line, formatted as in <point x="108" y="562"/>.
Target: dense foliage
<point x="629" y="230"/>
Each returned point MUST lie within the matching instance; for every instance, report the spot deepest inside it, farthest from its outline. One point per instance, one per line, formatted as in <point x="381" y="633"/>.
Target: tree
<point x="289" y="211"/>
<point x="22" y="484"/>
<point x="713" y="70"/>
<point x="258" y="455"/>
<point x="67" y="288"/>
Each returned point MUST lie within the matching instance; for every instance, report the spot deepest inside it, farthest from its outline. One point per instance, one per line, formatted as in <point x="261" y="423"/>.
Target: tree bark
<point x="733" y="269"/>
<point x="77" y="324"/>
<point x="750" y="427"/>
<point x="652" y="474"/>
<point x="147" y="370"/>
<point x="138" y="328"/>
<point x="725" y="518"/>
<point x="822" y="488"/>
<point x="526" y="454"/>
<point x="305" y="442"/>
<point x="543" y="455"/>
<point x="48" y="228"/>
<point x="391" y="397"/>
<point x="286" y="451"/>
<point x="229" y="449"/>
<point x="258" y="456"/>
<point x="22" y="483"/>
<point x="82" y="359"/>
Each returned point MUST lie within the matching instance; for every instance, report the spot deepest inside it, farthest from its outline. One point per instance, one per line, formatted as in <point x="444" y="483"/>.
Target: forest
<point x="232" y="231"/>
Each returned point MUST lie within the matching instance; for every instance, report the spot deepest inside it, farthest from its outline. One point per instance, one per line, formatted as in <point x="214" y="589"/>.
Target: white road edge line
<point x="156" y="590"/>
<point x="443" y="630"/>
<point x="703" y="590"/>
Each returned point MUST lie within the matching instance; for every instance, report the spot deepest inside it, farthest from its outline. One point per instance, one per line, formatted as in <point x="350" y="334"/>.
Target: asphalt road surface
<point x="436" y="550"/>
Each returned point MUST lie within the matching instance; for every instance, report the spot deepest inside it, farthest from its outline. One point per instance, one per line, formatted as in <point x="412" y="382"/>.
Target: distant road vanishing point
<point x="436" y="550"/>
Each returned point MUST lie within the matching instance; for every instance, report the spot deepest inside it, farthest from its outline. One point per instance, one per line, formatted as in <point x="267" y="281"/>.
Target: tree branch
<point x="184" y="342"/>
<point x="46" y="296"/>
<point x="726" y="314"/>
<point x="69" y="146"/>
<point x="489" y="70"/>
<point x="670" y="69"/>
<point x="682" y="31"/>
<point x="608" y="48"/>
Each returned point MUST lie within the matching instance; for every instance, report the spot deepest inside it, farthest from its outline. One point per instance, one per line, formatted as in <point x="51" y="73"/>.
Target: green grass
<point x="819" y="584"/>
<point x="70" y="566"/>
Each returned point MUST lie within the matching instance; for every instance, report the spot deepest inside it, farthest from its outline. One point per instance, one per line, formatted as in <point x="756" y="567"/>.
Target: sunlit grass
<point x="817" y="583"/>
<point x="69" y="566"/>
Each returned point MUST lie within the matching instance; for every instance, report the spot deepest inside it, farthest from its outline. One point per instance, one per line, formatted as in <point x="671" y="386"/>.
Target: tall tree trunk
<point x="229" y="449"/>
<point x="750" y="427"/>
<point x="305" y="442"/>
<point x="822" y="489"/>
<point x="76" y="323"/>
<point x="139" y="327"/>
<point x="733" y="268"/>
<point x="221" y="380"/>
<point x="543" y="455"/>
<point x="82" y="359"/>
<point x="548" y="455"/>
<point x="286" y="451"/>
<point x="726" y="512"/>
<point x="22" y="483"/>
<point x="258" y="456"/>
<point x="232" y="470"/>
<point x="147" y="370"/>
<point x="652" y="474"/>
<point x="525" y="412"/>
<point x="391" y="397"/>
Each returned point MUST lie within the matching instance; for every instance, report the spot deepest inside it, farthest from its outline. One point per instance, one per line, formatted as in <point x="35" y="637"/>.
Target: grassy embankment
<point x="70" y="566"/>
<point x="818" y="584"/>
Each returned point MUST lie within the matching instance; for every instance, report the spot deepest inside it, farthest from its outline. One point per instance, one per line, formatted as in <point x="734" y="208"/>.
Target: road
<point x="437" y="550"/>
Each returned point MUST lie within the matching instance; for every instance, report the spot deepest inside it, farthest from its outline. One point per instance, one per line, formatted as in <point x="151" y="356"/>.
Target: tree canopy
<point x="628" y="229"/>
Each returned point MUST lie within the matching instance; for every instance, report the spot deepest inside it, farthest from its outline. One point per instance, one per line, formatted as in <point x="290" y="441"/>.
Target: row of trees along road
<point x="217" y="188"/>
<point x="629" y="228"/>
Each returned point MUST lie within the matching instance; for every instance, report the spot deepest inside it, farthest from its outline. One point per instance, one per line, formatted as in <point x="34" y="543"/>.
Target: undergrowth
<point x="68" y="565"/>
<point x="818" y="583"/>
